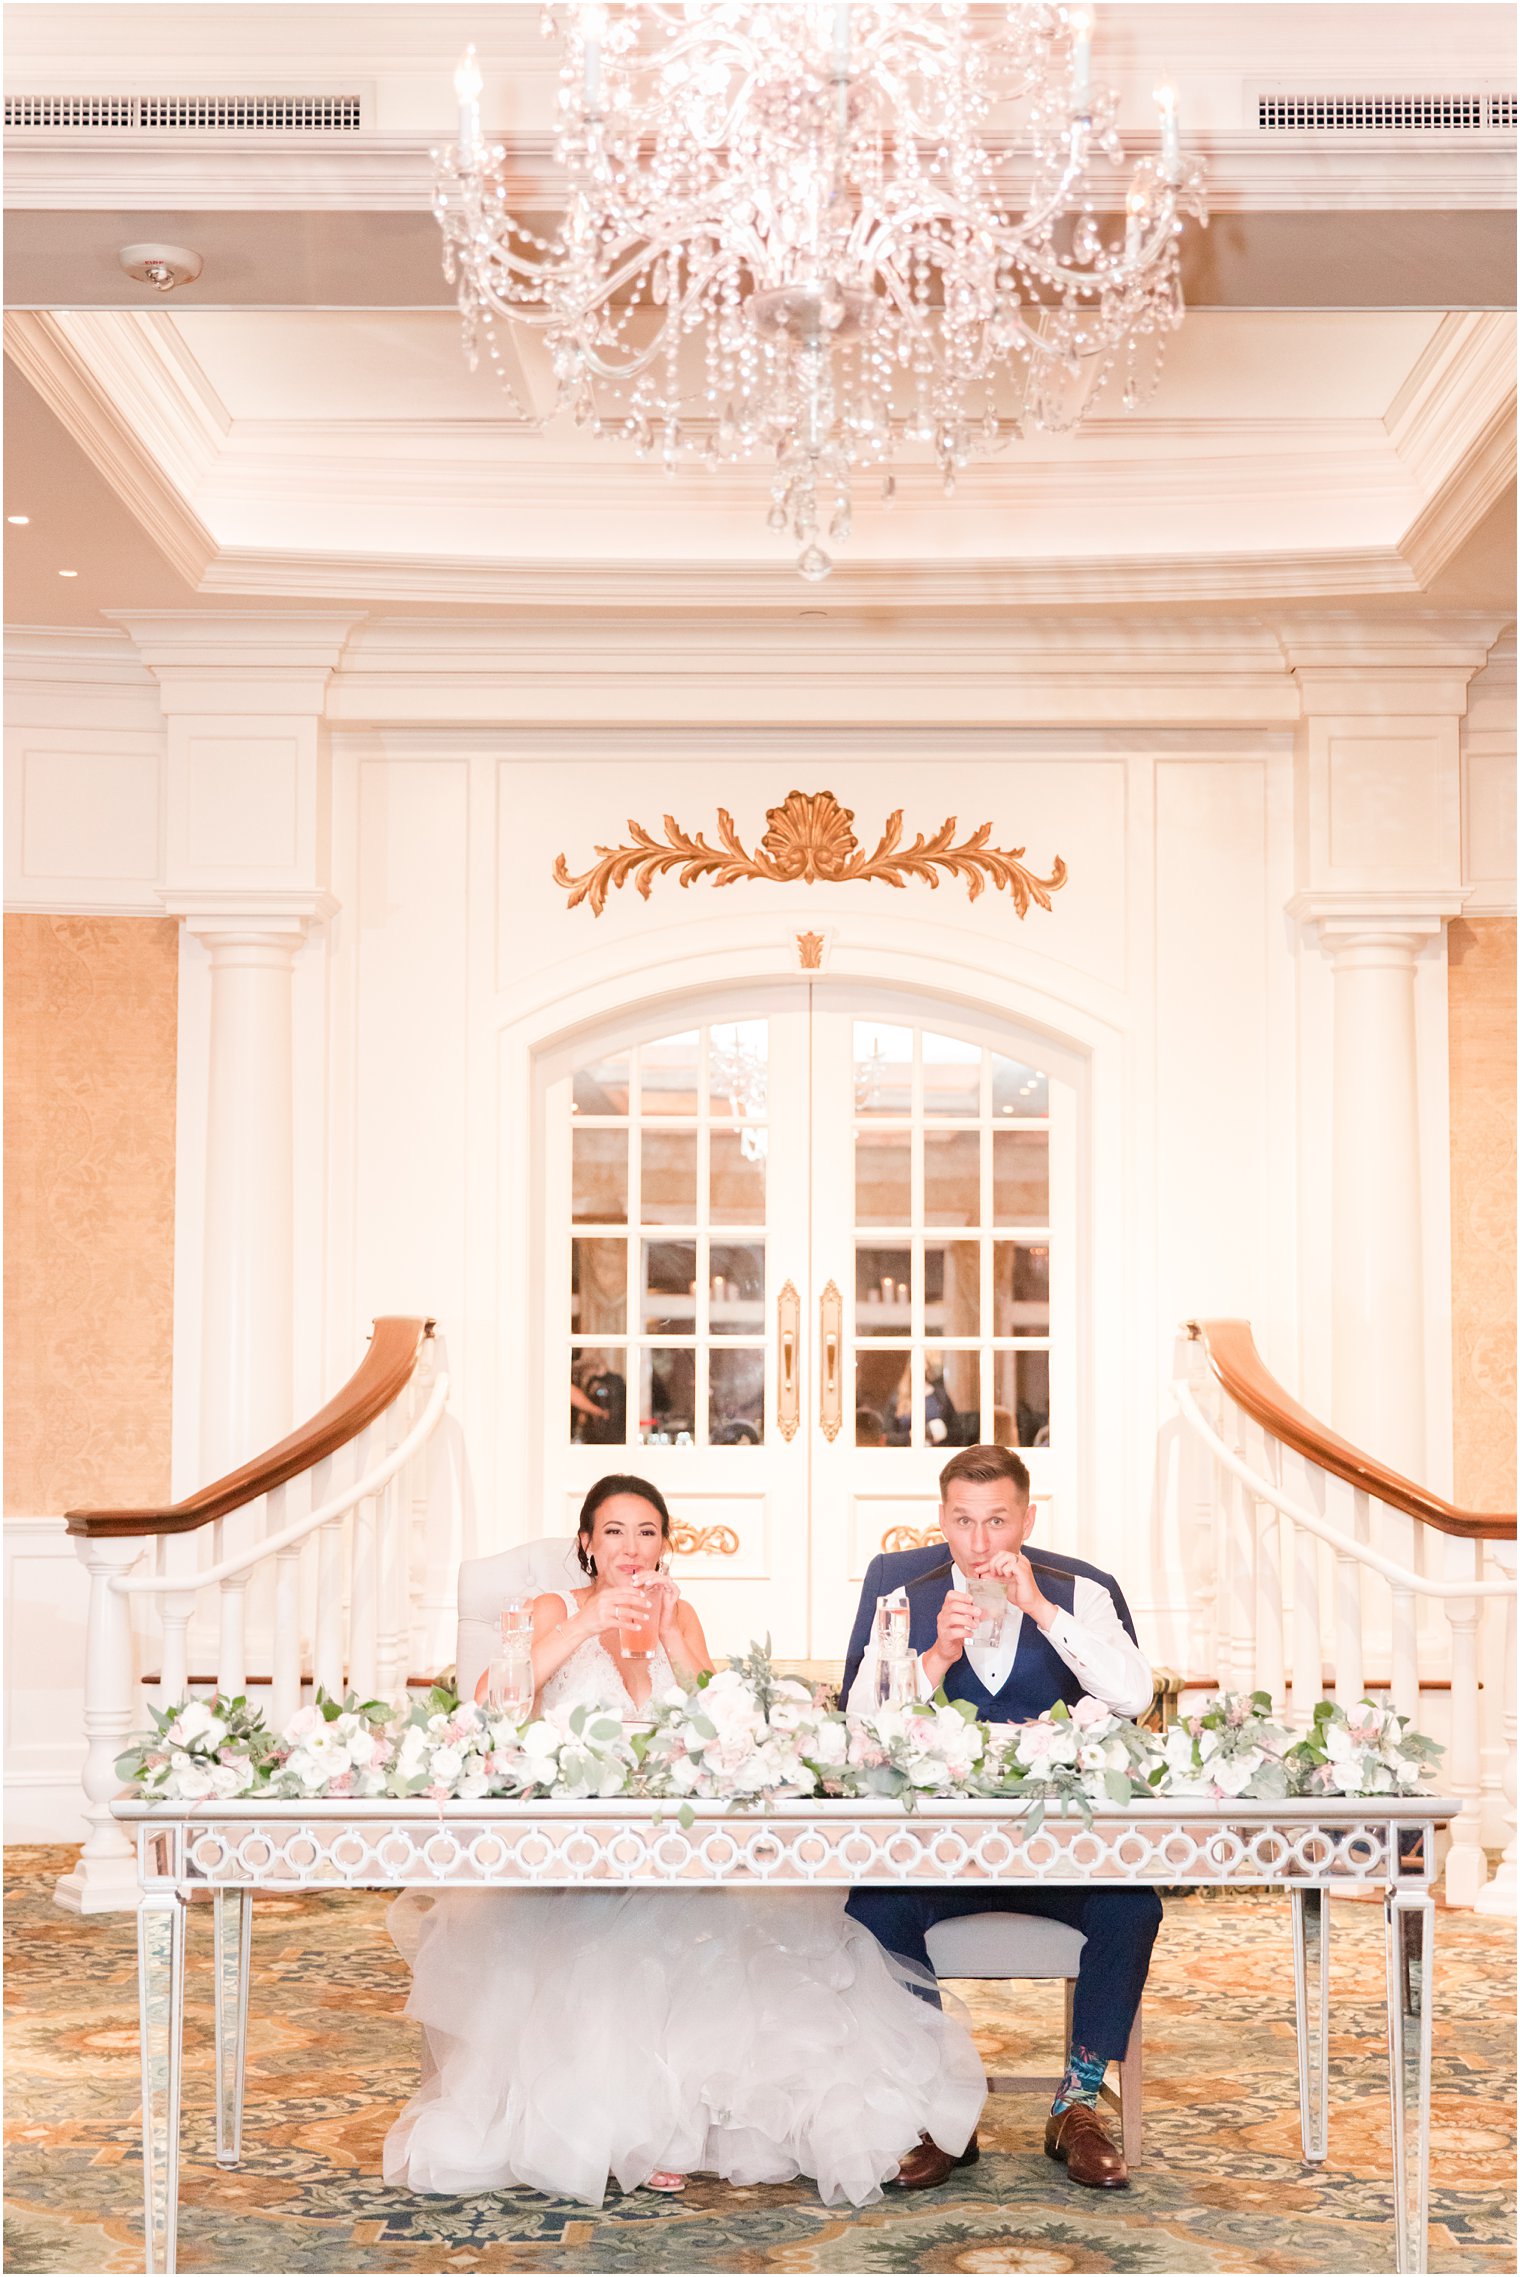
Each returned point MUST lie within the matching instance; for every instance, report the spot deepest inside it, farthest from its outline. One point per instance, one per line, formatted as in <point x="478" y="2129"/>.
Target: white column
<point x="1377" y="1295"/>
<point x="1378" y="862"/>
<point x="247" y="834"/>
<point x="246" y="1287"/>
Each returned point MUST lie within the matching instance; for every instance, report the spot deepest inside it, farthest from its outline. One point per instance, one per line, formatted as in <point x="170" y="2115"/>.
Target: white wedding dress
<point x="574" y="2035"/>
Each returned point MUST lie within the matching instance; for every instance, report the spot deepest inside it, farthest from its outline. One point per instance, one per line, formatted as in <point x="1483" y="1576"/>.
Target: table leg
<point x="234" y="1922"/>
<point x="161" y="2016"/>
<point x="1311" y="1996"/>
<point x="1411" y="1924"/>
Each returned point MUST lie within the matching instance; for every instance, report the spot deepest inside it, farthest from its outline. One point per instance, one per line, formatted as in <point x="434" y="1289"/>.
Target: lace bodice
<point x="590" y="1679"/>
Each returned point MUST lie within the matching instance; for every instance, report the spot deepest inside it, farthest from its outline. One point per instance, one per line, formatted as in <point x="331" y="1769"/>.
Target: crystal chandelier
<point x="789" y="234"/>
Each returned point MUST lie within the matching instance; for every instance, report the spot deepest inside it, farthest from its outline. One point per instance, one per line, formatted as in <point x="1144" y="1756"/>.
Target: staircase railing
<point x="320" y="1553"/>
<point x="1323" y="1571"/>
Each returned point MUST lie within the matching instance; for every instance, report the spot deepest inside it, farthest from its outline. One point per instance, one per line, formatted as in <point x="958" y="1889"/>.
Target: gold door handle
<point x="789" y="1380"/>
<point x="830" y="1337"/>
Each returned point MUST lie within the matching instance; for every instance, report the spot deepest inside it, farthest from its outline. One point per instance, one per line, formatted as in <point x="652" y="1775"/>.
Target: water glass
<point x="991" y="1596"/>
<point x="509" y="1686"/>
<point x="517" y="1618"/>
<point x="895" y="1685"/>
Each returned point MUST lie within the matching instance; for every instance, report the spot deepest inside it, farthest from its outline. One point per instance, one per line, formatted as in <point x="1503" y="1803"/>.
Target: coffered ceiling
<point x="1336" y="419"/>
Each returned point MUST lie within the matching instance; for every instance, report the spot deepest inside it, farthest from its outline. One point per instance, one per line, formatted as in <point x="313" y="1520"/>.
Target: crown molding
<point x="702" y="586"/>
<point x="53" y="654"/>
<point x="378" y="171"/>
<point x="134" y="412"/>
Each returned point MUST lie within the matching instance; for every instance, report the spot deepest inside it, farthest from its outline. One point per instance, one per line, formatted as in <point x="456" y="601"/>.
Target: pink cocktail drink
<point x="636" y="1634"/>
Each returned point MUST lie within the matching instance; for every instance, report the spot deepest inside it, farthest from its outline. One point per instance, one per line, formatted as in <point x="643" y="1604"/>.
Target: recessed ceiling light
<point x="68" y="573"/>
<point x="20" y="519"/>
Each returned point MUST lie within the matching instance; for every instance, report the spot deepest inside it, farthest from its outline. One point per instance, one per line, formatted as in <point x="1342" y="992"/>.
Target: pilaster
<point x="1379" y="871"/>
<point x="247" y="861"/>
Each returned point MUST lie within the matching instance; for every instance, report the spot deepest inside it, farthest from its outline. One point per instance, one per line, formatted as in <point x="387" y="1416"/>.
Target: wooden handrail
<point x="1231" y="1352"/>
<point x="388" y="1366"/>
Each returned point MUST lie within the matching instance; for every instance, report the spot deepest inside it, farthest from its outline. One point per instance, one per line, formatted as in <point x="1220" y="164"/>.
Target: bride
<point x="574" y="2035"/>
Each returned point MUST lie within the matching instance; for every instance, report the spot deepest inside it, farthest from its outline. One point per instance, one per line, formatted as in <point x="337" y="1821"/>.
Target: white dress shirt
<point x="1091" y="1639"/>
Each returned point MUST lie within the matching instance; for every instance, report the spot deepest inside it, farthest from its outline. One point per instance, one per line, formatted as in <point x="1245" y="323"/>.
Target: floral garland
<point x="747" y="1736"/>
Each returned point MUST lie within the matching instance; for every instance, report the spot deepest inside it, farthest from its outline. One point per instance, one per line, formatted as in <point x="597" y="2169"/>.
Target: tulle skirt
<point x="577" y="2035"/>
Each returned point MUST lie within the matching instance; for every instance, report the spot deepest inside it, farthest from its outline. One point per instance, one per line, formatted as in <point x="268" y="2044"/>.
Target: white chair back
<point x="1004" y="1945"/>
<point x="487" y="1584"/>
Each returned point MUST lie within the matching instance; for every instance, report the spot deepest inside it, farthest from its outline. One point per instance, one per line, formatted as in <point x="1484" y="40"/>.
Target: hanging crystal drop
<point x="814" y="564"/>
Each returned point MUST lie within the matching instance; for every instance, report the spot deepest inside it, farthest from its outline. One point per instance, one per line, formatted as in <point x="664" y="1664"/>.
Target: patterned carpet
<point x="331" y="2060"/>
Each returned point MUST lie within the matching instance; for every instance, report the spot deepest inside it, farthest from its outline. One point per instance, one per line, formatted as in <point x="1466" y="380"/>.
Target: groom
<point x="1067" y="1632"/>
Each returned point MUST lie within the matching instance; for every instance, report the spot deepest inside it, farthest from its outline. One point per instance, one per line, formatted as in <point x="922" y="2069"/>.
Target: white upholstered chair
<point x="1009" y="1945"/>
<point x="486" y="1585"/>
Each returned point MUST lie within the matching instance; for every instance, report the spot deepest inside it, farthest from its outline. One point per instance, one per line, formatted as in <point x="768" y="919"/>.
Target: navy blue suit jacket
<point x="925" y="1574"/>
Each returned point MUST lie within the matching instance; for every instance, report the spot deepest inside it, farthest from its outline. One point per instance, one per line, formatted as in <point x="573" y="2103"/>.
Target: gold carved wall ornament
<point x="689" y="1541"/>
<point x="810" y="840"/>
<point x="910" y="1538"/>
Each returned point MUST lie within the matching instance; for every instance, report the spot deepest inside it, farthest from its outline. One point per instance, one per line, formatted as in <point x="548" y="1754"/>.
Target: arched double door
<point x="798" y="1244"/>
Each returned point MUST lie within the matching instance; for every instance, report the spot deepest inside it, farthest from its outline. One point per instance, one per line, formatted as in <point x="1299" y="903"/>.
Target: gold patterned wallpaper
<point x="91" y="1006"/>
<point x="1481" y="1012"/>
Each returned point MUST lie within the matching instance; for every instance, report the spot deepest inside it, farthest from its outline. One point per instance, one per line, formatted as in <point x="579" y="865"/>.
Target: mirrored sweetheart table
<point x="230" y="1851"/>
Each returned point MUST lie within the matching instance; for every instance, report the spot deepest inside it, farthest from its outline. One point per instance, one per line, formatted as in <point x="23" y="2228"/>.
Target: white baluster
<point x="327" y="1641"/>
<point x="394" y="1602"/>
<point x="1499" y="1895"/>
<point x="1405" y="1639"/>
<point x="103" y="1878"/>
<point x="1466" y="1866"/>
<point x="1308" y="1638"/>
<point x="1349" y="1684"/>
<point x="1241" y="1671"/>
<point x="364" y="1582"/>
<point x="174" y="1660"/>
<point x="285" y="1661"/>
<point x="232" y="1658"/>
<point x="1267" y="1673"/>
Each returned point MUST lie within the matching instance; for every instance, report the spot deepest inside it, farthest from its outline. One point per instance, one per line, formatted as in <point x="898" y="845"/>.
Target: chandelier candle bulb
<point x="1081" y="53"/>
<point x="1166" y="98"/>
<point x="811" y="198"/>
<point x="467" y="87"/>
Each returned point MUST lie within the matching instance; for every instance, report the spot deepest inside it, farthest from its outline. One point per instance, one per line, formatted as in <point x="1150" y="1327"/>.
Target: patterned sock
<point x="1084" y="2076"/>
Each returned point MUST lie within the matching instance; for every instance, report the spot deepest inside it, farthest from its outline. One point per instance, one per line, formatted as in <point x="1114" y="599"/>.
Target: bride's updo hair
<point x="616" y="1482"/>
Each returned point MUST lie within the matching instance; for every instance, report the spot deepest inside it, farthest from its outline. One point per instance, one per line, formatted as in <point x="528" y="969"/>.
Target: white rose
<point x="540" y="1742"/>
<point x="410" y="1754"/>
<point x="1339" y="1745"/>
<point x="192" y="1724"/>
<point x="362" y="1749"/>
<point x="447" y="1764"/>
<point x="1232" y="1774"/>
<point x="215" y="1733"/>
<point x="1178" y="1750"/>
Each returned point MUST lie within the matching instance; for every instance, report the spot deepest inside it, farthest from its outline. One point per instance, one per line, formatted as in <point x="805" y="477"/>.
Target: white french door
<point x="795" y="1250"/>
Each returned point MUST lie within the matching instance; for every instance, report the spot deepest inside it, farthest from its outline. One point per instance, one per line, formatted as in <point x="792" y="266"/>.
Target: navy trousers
<point x="1120" y="1927"/>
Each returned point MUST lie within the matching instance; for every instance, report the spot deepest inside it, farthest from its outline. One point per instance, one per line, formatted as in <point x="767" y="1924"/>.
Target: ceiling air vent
<point x="1384" y="114"/>
<point x="190" y="114"/>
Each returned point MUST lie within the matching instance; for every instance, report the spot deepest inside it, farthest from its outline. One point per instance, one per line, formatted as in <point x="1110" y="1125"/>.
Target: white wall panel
<point x="1212" y="1174"/>
<point x="411" y="927"/>
<point x="83" y="819"/>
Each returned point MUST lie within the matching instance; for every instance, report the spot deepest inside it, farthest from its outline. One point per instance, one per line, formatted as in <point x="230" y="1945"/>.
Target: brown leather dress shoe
<point x="1077" y="2138"/>
<point x="928" y="2166"/>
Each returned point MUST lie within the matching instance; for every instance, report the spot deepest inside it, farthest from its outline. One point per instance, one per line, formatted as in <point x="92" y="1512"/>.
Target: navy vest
<point x="1039" y="1676"/>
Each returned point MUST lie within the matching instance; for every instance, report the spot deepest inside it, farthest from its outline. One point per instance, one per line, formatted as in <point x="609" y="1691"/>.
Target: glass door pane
<point x="675" y="1222"/>
<point x="932" y="1192"/>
